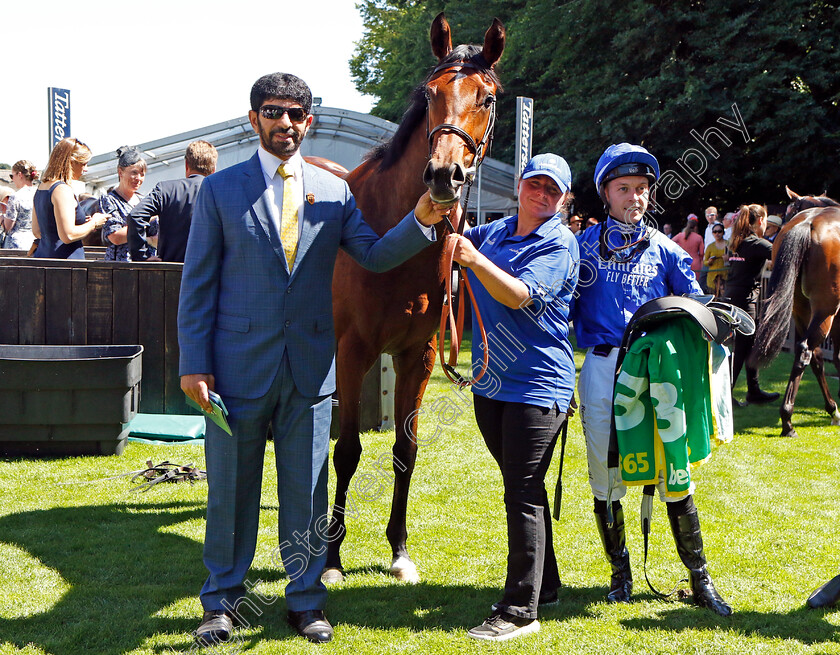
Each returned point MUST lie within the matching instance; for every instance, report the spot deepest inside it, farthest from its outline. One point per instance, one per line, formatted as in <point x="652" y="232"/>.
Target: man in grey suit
<point x="255" y="325"/>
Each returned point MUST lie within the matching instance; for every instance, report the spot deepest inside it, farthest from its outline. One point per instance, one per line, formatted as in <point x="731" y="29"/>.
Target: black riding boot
<point x="755" y="394"/>
<point x="621" y="582"/>
<point x="686" y="530"/>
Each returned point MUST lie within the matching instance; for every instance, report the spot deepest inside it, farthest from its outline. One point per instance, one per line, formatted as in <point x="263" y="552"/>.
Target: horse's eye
<point x="489" y="100"/>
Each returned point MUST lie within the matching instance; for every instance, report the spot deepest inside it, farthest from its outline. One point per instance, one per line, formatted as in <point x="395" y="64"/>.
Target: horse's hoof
<point x="332" y="576"/>
<point x="792" y="434"/>
<point x="835" y="418"/>
<point x="404" y="569"/>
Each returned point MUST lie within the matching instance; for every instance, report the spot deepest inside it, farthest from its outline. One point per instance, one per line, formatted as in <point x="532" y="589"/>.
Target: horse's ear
<point x="494" y="42"/>
<point x="791" y="194"/>
<point x="441" y="37"/>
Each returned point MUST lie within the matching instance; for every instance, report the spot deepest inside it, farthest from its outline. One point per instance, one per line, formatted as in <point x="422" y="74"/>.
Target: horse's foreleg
<point x="413" y="369"/>
<point x="351" y="364"/>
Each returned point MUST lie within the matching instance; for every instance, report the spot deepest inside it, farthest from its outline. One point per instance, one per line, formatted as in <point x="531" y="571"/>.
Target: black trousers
<point x="744" y="344"/>
<point x="521" y="438"/>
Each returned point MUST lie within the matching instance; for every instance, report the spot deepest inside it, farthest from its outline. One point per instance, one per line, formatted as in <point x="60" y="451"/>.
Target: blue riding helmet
<point x="622" y="159"/>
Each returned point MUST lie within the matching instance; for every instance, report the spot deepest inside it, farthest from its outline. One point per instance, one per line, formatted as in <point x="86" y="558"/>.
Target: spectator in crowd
<point x="748" y="253"/>
<point x="575" y="223"/>
<point x="58" y="221"/>
<point x="692" y="243"/>
<point x="172" y="202"/>
<point x="592" y="221"/>
<point x="512" y="263"/>
<point x="5" y="193"/>
<point x="17" y="221"/>
<point x="667" y="230"/>
<point x="715" y="259"/>
<point x="728" y="222"/>
<point x="119" y="201"/>
<point x="711" y="220"/>
<point x="774" y="224"/>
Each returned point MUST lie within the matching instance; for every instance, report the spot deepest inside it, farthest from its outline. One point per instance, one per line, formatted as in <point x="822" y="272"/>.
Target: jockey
<point x="625" y="262"/>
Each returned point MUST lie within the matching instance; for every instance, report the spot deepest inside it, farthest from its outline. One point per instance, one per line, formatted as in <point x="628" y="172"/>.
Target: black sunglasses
<point x="717" y="231"/>
<point x="275" y="112"/>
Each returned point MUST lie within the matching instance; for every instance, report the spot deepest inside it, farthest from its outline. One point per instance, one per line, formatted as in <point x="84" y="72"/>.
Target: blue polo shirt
<point x="531" y="358"/>
<point x="609" y="293"/>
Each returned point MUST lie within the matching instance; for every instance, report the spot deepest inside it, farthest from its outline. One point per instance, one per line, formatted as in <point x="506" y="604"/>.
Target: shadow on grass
<point x="393" y="606"/>
<point x="121" y="567"/>
<point x="803" y="625"/>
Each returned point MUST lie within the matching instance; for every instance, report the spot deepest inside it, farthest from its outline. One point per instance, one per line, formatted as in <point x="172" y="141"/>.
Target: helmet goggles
<point x="632" y="168"/>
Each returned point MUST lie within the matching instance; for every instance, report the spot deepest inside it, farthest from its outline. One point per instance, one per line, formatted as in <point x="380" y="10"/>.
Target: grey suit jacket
<point x="240" y="308"/>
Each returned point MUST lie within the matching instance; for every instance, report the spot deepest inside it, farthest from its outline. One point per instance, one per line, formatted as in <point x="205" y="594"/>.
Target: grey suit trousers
<point x="301" y="428"/>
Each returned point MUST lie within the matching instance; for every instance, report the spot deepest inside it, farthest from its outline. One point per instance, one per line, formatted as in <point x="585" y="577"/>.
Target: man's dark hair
<point x="283" y="86"/>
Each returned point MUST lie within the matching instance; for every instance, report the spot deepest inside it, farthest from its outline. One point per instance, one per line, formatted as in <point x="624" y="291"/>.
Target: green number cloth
<point x="663" y="406"/>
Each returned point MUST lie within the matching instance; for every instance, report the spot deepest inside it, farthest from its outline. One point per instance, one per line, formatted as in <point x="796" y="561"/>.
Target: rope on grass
<point x="154" y="474"/>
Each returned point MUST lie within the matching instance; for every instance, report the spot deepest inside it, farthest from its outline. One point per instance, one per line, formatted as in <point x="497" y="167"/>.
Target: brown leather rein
<point x="455" y="275"/>
<point x="452" y="271"/>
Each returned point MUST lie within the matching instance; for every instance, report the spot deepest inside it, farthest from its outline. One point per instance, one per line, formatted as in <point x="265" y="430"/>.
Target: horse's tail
<point x="775" y="318"/>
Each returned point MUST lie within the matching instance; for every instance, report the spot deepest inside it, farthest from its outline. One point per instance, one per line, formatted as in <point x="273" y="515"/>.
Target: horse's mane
<point x="390" y="152"/>
<point x="827" y="202"/>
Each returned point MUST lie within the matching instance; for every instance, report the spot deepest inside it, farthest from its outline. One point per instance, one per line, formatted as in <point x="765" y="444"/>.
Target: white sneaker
<point x="499" y="628"/>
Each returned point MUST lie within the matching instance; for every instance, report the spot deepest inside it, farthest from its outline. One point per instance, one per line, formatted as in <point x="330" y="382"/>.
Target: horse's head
<point x="801" y="203"/>
<point x="461" y="108"/>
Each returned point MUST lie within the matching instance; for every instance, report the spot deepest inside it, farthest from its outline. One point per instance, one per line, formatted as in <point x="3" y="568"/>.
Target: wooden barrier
<point x="89" y="302"/>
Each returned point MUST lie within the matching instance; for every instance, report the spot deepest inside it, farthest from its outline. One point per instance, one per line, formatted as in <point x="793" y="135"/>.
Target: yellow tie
<point x="289" y="219"/>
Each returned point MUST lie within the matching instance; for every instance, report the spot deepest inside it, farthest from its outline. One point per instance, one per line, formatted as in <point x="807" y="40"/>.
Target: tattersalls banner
<point x="59" y="113"/>
<point x="524" y="131"/>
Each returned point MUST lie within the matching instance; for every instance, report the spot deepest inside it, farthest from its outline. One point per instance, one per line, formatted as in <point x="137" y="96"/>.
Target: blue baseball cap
<point x="552" y="165"/>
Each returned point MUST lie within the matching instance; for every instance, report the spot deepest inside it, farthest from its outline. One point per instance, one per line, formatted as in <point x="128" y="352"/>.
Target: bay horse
<point x="805" y="281"/>
<point x="440" y="141"/>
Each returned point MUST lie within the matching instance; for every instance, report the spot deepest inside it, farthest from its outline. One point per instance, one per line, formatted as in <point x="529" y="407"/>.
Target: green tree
<point x="648" y="72"/>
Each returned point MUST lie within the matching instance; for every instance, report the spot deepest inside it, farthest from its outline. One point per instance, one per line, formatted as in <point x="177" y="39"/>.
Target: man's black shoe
<point x="216" y="628"/>
<point x="827" y="595"/>
<point x="759" y="397"/>
<point x="311" y="624"/>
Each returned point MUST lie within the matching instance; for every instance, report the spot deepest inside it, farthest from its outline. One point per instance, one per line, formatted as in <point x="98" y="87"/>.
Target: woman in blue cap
<point x="523" y="271"/>
<point x="626" y="261"/>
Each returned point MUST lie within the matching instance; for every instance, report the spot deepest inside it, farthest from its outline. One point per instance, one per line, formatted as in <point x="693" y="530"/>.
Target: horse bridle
<point x="478" y="150"/>
<point x="451" y="268"/>
<point x="794" y="208"/>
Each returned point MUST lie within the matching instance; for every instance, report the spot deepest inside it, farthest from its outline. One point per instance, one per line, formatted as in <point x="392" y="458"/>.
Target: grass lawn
<point x="96" y="568"/>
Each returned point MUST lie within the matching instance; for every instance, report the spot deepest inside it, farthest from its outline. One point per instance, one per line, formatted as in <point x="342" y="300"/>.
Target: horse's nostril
<point x="458" y="175"/>
<point x="427" y="174"/>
